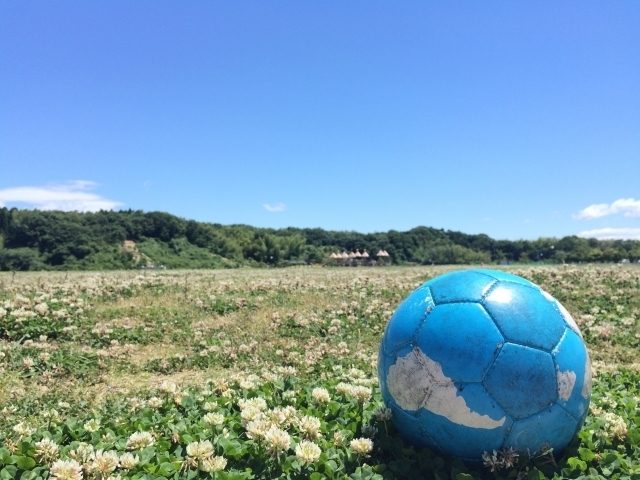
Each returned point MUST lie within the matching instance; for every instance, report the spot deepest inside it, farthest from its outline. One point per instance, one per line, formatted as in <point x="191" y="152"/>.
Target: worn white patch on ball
<point x="566" y="382"/>
<point x="416" y="381"/>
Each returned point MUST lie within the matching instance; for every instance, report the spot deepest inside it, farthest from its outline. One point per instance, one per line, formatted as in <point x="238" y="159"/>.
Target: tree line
<point x="41" y="240"/>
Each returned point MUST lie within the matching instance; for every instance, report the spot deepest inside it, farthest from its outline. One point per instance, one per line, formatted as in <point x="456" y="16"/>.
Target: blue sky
<point x="515" y="119"/>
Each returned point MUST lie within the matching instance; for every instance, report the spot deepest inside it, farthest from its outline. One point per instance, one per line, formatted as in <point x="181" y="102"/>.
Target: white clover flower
<point x="257" y="429"/>
<point x="501" y="459"/>
<point x="309" y="426"/>
<point x="22" y="429"/>
<point x="361" y="393"/>
<point x="247" y="383"/>
<point x="320" y="395"/>
<point x="289" y="394"/>
<point x="615" y="426"/>
<point x="136" y="403"/>
<point x="139" y="440"/>
<point x="307" y="452"/>
<point x="220" y="385"/>
<point x="258" y="403"/>
<point x="47" y="450"/>
<point x="270" y="377"/>
<point x="92" y="425"/>
<point x="214" y="419"/>
<point x="66" y="470"/>
<point x="344" y="388"/>
<point x="104" y="462"/>
<point x="28" y="362"/>
<point x="83" y="453"/>
<point x="213" y="464"/>
<point x="129" y="460"/>
<point x="168" y="387"/>
<point x="287" y="371"/>
<point x="509" y="457"/>
<point x="200" y="450"/>
<point x="277" y="440"/>
<point x="9" y="410"/>
<point x="361" y="446"/>
<point x="355" y="373"/>
<point x="52" y="415"/>
<point x="209" y="406"/>
<point x="490" y="460"/>
<point x="155" y="402"/>
<point x="282" y="416"/>
<point x="338" y="438"/>
<point x="228" y="393"/>
<point x="383" y="414"/>
<point x="41" y="308"/>
<point x="249" y="414"/>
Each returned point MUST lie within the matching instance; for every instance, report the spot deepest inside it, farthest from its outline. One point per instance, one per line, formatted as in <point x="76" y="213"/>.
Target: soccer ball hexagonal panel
<point x="462" y="338"/>
<point x="522" y="380"/>
<point x="412" y="426"/>
<point x="460" y="286"/>
<point x="524" y="315"/>
<point x="404" y="323"/>
<point x="461" y="440"/>
<point x="573" y="370"/>
<point x="385" y="362"/>
<point x="506" y="277"/>
<point x="571" y="323"/>
<point x="550" y="428"/>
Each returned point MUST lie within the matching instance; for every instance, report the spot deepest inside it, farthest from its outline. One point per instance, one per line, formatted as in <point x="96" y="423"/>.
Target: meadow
<point x="265" y="373"/>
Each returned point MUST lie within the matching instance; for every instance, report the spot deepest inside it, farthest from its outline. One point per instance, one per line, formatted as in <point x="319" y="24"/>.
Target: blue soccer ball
<point x="479" y="360"/>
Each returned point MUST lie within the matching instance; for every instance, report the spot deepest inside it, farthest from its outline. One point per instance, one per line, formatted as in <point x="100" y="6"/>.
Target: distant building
<point x="358" y="257"/>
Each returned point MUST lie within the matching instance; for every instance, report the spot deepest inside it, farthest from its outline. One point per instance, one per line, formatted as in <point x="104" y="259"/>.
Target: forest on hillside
<point x="45" y="240"/>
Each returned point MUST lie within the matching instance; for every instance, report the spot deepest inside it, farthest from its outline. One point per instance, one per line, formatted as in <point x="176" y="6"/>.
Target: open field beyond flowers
<point x="242" y="374"/>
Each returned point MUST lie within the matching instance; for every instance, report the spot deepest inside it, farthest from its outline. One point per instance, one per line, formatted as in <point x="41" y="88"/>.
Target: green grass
<point x="179" y="253"/>
<point x="192" y="357"/>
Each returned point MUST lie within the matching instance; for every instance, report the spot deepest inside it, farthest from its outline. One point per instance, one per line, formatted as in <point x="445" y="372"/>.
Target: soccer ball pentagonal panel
<point x="522" y="380"/>
<point x="462" y="338"/>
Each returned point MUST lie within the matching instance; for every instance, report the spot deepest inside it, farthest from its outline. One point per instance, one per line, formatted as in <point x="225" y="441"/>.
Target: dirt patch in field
<point x="119" y="383"/>
<point x="141" y="354"/>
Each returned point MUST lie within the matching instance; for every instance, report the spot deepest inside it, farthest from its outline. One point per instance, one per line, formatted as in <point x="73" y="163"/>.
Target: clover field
<point x="266" y="373"/>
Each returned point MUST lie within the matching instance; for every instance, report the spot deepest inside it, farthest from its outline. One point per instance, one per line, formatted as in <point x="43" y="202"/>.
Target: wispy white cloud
<point x="275" y="207"/>
<point x="75" y="195"/>
<point x="629" y="207"/>
<point x="610" y="233"/>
